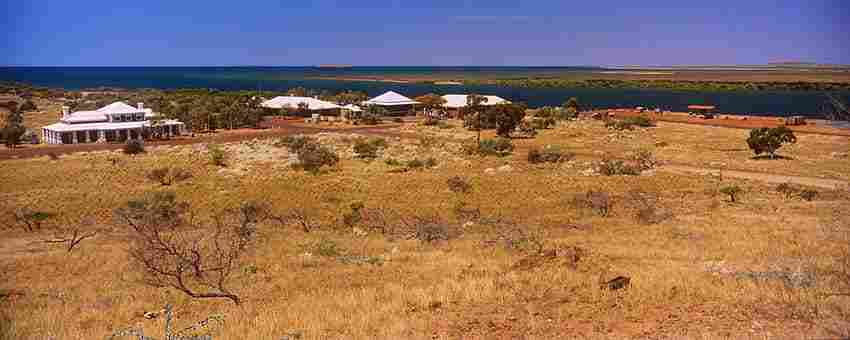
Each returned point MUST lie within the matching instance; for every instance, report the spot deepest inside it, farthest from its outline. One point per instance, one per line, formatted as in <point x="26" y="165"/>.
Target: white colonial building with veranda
<point x="116" y="122"/>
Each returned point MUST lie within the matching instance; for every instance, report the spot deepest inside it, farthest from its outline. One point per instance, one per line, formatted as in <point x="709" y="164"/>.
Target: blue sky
<point x="458" y="32"/>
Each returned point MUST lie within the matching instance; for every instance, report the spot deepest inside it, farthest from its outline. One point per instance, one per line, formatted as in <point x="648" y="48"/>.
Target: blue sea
<point x="808" y="103"/>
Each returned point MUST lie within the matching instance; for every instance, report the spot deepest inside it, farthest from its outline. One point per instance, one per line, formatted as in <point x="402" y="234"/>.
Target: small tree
<point x="732" y="190"/>
<point x="768" y="140"/>
<point x="508" y="117"/>
<point x="31" y="220"/>
<point x="432" y="104"/>
<point x="475" y="105"/>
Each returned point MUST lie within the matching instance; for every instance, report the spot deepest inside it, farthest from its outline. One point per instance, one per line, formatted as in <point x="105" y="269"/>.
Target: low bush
<point x="459" y="185"/>
<point x="327" y="248"/>
<point x="808" y="195"/>
<point x="313" y="156"/>
<point x="464" y="211"/>
<point x="549" y="154"/>
<point x="526" y="129"/>
<point x="168" y="175"/>
<point x="417" y="163"/>
<point x="495" y="147"/>
<point x="786" y="189"/>
<point x="733" y="191"/>
<point x="644" y="159"/>
<point x="614" y="167"/>
<point x="430" y="229"/>
<point x="294" y="143"/>
<point x="134" y="147"/>
<point x="368" y="148"/>
<point x="597" y="201"/>
<point x="217" y="155"/>
<point x="392" y="162"/>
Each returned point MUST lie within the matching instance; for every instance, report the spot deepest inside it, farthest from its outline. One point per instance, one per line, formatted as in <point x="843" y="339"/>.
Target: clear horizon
<point x="441" y="33"/>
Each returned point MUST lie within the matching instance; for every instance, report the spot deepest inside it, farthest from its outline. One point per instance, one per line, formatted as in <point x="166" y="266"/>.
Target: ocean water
<point x="808" y="103"/>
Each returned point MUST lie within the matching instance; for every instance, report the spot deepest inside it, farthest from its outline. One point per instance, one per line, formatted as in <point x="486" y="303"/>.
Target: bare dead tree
<point x="72" y="236"/>
<point x="298" y="217"/>
<point x="194" y="258"/>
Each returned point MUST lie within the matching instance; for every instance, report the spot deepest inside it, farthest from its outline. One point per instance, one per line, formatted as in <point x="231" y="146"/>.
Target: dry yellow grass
<point x="463" y="288"/>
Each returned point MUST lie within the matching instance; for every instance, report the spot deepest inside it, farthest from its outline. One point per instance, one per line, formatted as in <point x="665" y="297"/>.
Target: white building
<point x="457" y="101"/>
<point x="116" y="122"/>
<point x="394" y="103"/>
<point x="292" y="102"/>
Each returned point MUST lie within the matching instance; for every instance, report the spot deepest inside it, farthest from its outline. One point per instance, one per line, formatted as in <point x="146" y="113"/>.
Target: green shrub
<point x="327" y="248"/>
<point x="495" y="147"/>
<point x="294" y="143"/>
<point x="808" y="195"/>
<point x="614" y="167"/>
<point x="217" y="155"/>
<point x="313" y="156"/>
<point x="134" y="147"/>
<point x="392" y="162"/>
<point x="368" y="148"/>
<point x="168" y="175"/>
<point x="549" y="154"/>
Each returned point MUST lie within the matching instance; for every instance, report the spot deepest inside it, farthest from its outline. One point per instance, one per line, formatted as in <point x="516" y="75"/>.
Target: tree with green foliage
<point x="14" y="126"/>
<point x="27" y="106"/>
<point x="432" y="104"/>
<point x="475" y="105"/>
<point x="507" y="116"/>
<point x="768" y="140"/>
<point x="571" y="103"/>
